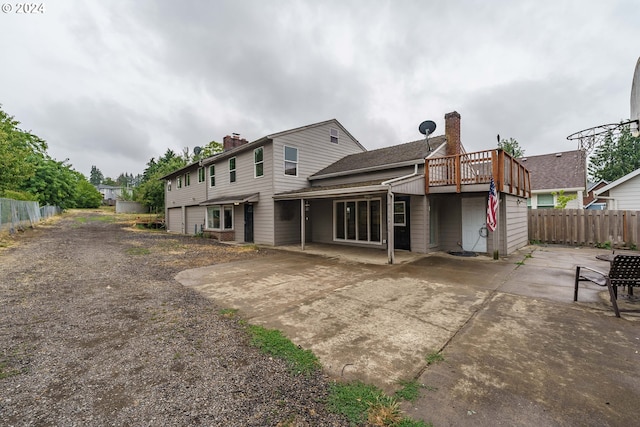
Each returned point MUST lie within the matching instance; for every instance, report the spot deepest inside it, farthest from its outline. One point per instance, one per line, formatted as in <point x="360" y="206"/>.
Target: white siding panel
<point x="450" y="217"/>
<point x="287" y="222"/>
<point x="238" y="223"/>
<point x="627" y="195"/>
<point x="322" y="220"/>
<point x="186" y="196"/>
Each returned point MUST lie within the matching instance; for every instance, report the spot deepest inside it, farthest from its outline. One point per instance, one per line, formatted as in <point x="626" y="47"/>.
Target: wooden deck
<point x="473" y="172"/>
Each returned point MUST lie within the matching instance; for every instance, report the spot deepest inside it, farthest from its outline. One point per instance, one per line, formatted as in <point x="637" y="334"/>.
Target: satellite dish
<point x="635" y="99"/>
<point x="197" y="150"/>
<point x="427" y="127"/>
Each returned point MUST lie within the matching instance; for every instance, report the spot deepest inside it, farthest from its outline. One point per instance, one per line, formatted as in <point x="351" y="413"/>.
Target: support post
<point x="390" y="237"/>
<point x="303" y="220"/>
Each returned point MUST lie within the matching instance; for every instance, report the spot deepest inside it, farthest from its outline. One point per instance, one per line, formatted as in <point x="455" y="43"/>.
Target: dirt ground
<point x="94" y="330"/>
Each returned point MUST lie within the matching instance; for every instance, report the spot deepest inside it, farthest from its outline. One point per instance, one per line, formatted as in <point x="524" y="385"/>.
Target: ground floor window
<point x="358" y="220"/>
<point x="219" y="217"/>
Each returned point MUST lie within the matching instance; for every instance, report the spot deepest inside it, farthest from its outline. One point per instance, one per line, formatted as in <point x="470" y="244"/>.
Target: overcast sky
<point x="115" y="83"/>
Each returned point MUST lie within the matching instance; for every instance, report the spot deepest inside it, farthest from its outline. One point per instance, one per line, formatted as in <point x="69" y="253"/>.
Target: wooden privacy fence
<point x="584" y="227"/>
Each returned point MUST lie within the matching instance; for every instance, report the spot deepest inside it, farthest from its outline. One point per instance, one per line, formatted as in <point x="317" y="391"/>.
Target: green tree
<point x="151" y="191"/>
<point x="511" y="146"/>
<point x="615" y="157"/>
<point x="87" y="196"/>
<point x="209" y="150"/>
<point x="109" y="181"/>
<point x="18" y="151"/>
<point x="95" y="177"/>
<point x="563" y="200"/>
<point x="54" y="183"/>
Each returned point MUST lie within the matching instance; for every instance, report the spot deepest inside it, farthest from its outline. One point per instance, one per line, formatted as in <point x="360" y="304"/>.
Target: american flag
<point x="492" y="207"/>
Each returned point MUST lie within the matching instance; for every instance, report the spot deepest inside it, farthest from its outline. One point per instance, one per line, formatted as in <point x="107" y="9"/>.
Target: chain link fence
<point x="18" y="214"/>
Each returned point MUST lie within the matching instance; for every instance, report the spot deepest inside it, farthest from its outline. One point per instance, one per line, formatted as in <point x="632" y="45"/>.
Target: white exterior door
<point x="474" y="223"/>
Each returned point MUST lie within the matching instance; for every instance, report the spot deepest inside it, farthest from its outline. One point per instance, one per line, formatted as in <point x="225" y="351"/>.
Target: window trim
<point x="168" y="185"/>
<point x="332" y="136"/>
<point x="256" y="162"/>
<point x="233" y="175"/>
<point x="285" y="161"/>
<point x="187" y="179"/>
<point x="212" y="176"/>
<point x="404" y="213"/>
<point x="221" y="209"/>
<point x="179" y="182"/>
<point x="356" y="239"/>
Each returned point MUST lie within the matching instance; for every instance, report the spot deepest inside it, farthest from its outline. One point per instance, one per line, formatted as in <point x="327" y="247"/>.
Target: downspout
<point x="390" y="199"/>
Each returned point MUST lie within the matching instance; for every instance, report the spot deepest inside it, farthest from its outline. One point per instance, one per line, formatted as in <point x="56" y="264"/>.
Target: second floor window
<point x="290" y="161"/>
<point x="212" y="176"/>
<point x="179" y="183"/>
<point x="169" y="185"/>
<point x="232" y="169"/>
<point x="187" y="179"/>
<point x="333" y="133"/>
<point x="200" y="174"/>
<point x="258" y="160"/>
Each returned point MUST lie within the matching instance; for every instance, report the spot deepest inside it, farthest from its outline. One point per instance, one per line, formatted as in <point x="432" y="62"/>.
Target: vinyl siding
<point x="627" y="195"/>
<point x="185" y="196"/>
<point x="246" y="183"/>
<point x="450" y="222"/>
<point x="287" y="222"/>
<point x="515" y="233"/>
<point x="315" y="152"/>
<point x="419" y="224"/>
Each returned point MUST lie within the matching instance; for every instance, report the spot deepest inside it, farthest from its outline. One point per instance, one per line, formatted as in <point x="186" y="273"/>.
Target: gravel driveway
<point x="94" y="330"/>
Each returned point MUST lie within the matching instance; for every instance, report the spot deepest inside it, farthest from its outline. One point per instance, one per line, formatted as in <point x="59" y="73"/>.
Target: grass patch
<point x="434" y="358"/>
<point x="272" y="342"/>
<point x="362" y="403"/>
<point x="410" y="390"/>
<point x="6" y="372"/>
<point x="138" y="251"/>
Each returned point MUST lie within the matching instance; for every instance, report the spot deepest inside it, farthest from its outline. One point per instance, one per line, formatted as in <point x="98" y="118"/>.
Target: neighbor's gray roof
<point x="388" y="156"/>
<point x="557" y="170"/>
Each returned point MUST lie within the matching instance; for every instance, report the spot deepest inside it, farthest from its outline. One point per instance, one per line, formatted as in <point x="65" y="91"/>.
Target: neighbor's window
<point x="290" y="161"/>
<point x="399" y="213"/>
<point x="232" y="169"/>
<point x="179" y="185"/>
<point x="187" y="179"/>
<point x="258" y="160"/>
<point x="545" y="201"/>
<point x="334" y="135"/>
<point x="200" y="174"/>
<point x="212" y="176"/>
<point x="358" y="220"/>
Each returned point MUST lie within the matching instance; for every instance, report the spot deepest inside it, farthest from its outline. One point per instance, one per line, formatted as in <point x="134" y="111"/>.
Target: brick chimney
<point x="233" y="141"/>
<point x="452" y="133"/>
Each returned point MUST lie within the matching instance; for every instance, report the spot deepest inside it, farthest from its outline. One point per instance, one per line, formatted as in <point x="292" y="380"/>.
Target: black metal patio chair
<point x="624" y="271"/>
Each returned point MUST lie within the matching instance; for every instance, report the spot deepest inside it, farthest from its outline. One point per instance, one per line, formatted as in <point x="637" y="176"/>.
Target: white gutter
<point x="390" y="198"/>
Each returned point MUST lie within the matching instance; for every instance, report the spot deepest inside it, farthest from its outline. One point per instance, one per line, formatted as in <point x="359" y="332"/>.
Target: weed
<point x="633" y="247"/>
<point x="228" y="312"/>
<point x="138" y="251"/>
<point x="410" y="390"/>
<point x="527" y="256"/>
<point x="605" y="245"/>
<point x="362" y="403"/>
<point x="520" y="263"/>
<point x="6" y="373"/>
<point x="434" y="357"/>
<point x="271" y="341"/>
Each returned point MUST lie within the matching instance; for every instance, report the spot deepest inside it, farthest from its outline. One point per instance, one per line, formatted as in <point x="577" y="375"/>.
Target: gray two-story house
<point x="318" y="184"/>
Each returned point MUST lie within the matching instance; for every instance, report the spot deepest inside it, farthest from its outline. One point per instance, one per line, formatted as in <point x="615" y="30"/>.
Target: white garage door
<point x="175" y="220"/>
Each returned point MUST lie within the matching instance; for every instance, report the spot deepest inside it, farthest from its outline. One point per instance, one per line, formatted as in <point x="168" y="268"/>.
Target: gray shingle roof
<point x="388" y="156"/>
<point x="556" y="170"/>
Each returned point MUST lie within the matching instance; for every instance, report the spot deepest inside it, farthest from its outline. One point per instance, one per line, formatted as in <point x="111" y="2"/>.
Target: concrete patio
<point x="517" y="349"/>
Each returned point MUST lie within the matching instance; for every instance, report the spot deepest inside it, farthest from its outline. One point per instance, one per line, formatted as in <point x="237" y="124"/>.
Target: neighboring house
<point x="591" y="201"/>
<point x="553" y="173"/>
<point x="623" y="193"/>
<point x="110" y="193"/>
<point x="318" y="184"/>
